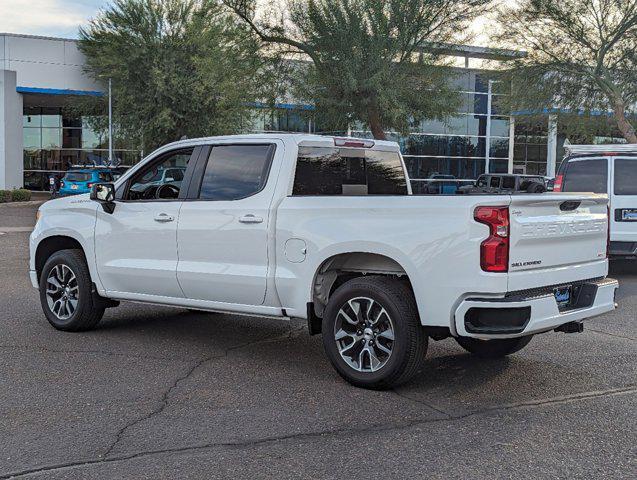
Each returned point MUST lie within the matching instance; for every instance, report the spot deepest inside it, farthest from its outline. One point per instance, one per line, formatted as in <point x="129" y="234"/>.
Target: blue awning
<point x="59" y="91"/>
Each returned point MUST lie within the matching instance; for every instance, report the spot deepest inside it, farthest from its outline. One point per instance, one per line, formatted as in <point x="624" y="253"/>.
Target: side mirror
<point x="104" y="193"/>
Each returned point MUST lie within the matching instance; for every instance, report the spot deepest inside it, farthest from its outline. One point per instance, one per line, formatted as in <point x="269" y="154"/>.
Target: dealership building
<point x="41" y="78"/>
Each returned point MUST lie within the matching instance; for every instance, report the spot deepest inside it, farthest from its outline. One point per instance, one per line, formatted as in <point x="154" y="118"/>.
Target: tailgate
<point x="557" y="238"/>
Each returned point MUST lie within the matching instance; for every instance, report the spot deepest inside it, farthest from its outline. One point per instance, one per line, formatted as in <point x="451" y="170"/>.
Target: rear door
<point x="222" y="236"/>
<point x="623" y="201"/>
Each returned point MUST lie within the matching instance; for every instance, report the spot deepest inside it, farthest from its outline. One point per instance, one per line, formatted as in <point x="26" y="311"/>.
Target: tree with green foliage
<point x="178" y="68"/>
<point x="376" y="62"/>
<point x="581" y="57"/>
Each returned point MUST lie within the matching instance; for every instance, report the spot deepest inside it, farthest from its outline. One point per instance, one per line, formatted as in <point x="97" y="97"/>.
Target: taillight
<point x="494" y="251"/>
<point x="90" y="185"/>
<point x="557" y="185"/>
<point x="61" y="184"/>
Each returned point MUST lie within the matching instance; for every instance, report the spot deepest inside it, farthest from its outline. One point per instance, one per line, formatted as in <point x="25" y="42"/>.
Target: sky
<point x="62" y="18"/>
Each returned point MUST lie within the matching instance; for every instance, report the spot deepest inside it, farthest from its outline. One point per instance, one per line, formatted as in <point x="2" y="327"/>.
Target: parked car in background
<point x="438" y="184"/>
<point x="506" y="183"/>
<point x="550" y="183"/>
<point x="610" y="169"/>
<point x="326" y="229"/>
<point x="80" y="180"/>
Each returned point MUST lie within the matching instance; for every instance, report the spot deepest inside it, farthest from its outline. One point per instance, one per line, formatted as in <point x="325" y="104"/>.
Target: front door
<point x="136" y="245"/>
<point x="223" y="229"/>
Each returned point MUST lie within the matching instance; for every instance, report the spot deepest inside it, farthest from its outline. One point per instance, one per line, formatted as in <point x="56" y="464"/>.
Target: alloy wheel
<point x="62" y="291"/>
<point x="364" y="334"/>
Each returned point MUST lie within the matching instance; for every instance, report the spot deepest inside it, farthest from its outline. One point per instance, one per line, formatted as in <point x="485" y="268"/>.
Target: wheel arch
<point x="54" y="243"/>
<point x="340" y="267"/>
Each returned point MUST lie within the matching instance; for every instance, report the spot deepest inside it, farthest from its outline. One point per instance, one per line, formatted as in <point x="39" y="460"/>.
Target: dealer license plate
<point x="563" y="295"/>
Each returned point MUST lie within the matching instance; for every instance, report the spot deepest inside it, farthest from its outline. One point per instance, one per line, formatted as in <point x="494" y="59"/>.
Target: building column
<point x="11" y="161"/>
<point x="511" y="143"/>
<point x="551" y="147"/>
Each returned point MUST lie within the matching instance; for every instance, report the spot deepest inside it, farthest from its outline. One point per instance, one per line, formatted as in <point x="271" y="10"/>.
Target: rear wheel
<point x="372" y="334"/>
<point x="66" y="292"/>
<point x="493" y="348"/>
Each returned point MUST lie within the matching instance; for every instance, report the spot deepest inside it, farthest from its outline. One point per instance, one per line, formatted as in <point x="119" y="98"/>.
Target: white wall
<point x="11" y="162"/>
<point x="42" y="62"/>
<point x="32" y="62"/>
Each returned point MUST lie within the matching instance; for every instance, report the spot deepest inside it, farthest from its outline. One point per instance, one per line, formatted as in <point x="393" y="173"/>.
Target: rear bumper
<point x="517" y="316"/>
<point x="623" y="249"/>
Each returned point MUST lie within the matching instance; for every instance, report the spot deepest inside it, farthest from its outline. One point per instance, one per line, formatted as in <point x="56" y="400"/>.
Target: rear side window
<point x="234" y="172"/>
<point x="625" y="177"/>
<point x="586" y="176"/>
<point x="348" y="171"/>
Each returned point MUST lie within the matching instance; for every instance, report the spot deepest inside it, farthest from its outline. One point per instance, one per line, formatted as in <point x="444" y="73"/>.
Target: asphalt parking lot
<point x="164" y="393"/>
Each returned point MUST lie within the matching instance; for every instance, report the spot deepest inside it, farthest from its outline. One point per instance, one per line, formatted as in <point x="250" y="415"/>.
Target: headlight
<point x="38" y="215"/>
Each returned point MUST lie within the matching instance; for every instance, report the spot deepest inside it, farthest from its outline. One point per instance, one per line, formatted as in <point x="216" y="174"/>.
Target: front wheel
<point x="496" y="348"/>
<point x="372" y="333"/>
<point x="66" y="292"/>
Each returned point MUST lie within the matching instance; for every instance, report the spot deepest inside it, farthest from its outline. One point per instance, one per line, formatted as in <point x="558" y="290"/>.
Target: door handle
<point x="249" y="218"/>
<point x="164" y="217"/>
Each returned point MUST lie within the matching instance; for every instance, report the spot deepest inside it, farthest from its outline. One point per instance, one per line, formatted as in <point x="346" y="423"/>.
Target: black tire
<point x="497" y="348"/>
<point x="409" y="347"/>
<point x="88" y="312"/>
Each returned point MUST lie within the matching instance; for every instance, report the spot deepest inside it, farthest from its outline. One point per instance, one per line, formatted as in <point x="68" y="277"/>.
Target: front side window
<point x="234" y="172"/>
<point x="586" y="176"/>
<point x="156" y="182"/>
<point x="348" y="171"/>
<point x="625" y="176"/>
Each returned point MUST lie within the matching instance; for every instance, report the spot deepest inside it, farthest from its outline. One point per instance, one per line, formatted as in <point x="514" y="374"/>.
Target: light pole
<point x="110" y="123"/>
<point x="487" y="147"/>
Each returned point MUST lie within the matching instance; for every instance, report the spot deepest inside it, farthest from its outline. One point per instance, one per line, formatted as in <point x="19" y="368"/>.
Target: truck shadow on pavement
<point x="452" y="379"/>
<point x="622" y="267"/>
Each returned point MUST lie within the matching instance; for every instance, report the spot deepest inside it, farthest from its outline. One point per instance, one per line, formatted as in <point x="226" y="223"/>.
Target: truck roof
<point x="307" y="139"/>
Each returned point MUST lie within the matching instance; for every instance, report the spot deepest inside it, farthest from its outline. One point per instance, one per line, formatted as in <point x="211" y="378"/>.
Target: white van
<point x="610" y="169"/>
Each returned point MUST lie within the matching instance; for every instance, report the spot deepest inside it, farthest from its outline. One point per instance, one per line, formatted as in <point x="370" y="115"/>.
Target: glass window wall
<point x="54" y="141"/>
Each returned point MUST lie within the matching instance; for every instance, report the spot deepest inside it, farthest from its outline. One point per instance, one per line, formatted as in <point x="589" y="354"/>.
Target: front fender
<point x="76" y="222"/>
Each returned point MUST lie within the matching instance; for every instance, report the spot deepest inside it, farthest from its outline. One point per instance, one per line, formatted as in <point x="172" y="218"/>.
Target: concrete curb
<point x="22" y="204"/>
<point x="15" y="229"/>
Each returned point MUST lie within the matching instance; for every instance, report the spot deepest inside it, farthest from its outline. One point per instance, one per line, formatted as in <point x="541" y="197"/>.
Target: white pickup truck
<point x="326" y="229"/>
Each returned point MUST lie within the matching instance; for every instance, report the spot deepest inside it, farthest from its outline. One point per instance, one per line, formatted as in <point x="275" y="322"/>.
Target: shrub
<point x="21" y="195"/>
<point x="5" y="196"/>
